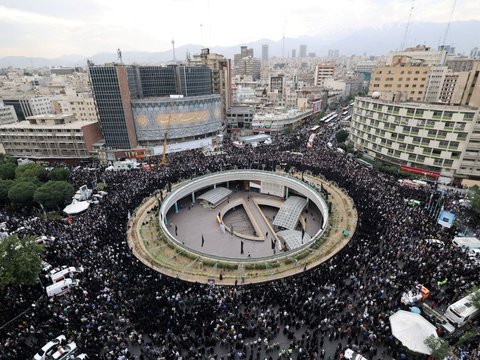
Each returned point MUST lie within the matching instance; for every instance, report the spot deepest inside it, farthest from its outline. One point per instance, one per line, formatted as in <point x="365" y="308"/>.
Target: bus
<point x="334" y="116"/>
<point x="345" y="113"/>
<point x="345" y="108"/>
<point x="364" y="163"/>
<point x="315" y="128"/>
<point x="326" y="117"/>
<point x="463" y="310"/>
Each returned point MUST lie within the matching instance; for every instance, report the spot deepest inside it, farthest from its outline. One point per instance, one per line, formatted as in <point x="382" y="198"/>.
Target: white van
<point x="61" y="287"/>
<point x="352" y="355"/>
<point x="65" y="273"/>
<point x="460" y="312"/>
<point x="466" y="243"/>
<point x="340" y="150"/>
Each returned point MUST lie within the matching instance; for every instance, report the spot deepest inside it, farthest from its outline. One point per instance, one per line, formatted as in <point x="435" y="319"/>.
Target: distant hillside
<point x="372" y="41"/>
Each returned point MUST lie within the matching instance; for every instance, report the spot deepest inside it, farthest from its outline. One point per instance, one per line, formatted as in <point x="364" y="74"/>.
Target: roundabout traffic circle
<point x="242" y="226"/>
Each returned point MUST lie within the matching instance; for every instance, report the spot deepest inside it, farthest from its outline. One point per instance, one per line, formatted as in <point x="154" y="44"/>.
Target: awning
<point x="76" y="207"/>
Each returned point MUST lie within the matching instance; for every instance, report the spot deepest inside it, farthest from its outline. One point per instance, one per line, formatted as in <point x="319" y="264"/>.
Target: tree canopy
<point x="59" y="174"/>
<point x="54" y="194"/>
<point x="21" y="193"/>
<point x="30" y="170"/>
<point x="20" y="262"/>
<point x="476" y="200"/>
<point x="439" y="347"/>
<point x="7" y="171"/>
<point x="5" y="186"/>
<point x="341" y="136"/>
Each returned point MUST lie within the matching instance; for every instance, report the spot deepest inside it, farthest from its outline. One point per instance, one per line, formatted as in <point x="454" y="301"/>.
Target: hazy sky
<point x="51" y="28"/>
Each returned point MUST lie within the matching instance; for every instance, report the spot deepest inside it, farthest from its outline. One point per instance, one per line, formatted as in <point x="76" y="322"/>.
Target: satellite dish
<point x="376" y="94"/>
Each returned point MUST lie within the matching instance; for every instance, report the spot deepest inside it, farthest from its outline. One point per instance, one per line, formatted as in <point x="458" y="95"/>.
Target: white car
<point x="43" y="239"/>
<point x="50" y="348"/>
<point x="435" y="242"/>
<point x="64" y="352"/>
<point x="81" y="357"/>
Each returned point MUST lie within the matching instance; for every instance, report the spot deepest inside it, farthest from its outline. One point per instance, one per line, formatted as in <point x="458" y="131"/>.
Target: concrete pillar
<point x="286" y="192"/>
<point x="228" y="184"/>
<point x="214" y="186"/>
<point x="176" y="207"/>
<point x="193" y="197"/>
<point x="165" y="220"/>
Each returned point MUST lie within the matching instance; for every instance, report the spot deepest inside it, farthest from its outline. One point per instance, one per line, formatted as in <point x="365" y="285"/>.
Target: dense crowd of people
<point x="125" y="310"/>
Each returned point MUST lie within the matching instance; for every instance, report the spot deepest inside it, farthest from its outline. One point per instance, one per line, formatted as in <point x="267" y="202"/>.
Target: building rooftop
<point x="78" y="124"/>
<point x="433" y="106"/>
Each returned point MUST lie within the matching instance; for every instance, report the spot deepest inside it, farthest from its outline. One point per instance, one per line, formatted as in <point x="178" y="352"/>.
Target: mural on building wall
<point x="183" y="118"/>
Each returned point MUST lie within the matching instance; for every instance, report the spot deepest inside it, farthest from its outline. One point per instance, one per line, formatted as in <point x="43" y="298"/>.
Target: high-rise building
<point x="265" y="52"/>
<point x="322" y="72"/>
<point x="111" y="90"/>
<point x="294" y="53"/>
<point x="143" y="105"/>
<point x="302" y="54"/>
<point x="246" y="64"/>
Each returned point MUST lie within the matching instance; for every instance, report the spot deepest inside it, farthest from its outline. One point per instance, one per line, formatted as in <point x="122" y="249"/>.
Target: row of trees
<point x="27" y="184"/>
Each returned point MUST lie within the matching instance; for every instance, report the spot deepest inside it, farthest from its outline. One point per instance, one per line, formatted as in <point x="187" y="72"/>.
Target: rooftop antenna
<point x="119" y="55"/>
<point x="404" y="42"/>
<point x="449" y="21"/>
<point x="173" y="47"/>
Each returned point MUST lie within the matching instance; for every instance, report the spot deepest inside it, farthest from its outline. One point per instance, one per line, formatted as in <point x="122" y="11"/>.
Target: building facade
<point x="50" y="137"/>
<point x="322" y="72"/>
<point x="438" y="138"/>
<point x="29" y="105"/>
<point x="7" y="114"/>
<point x="277" y="122"/>
<point x="302" y="53"/>
<point x="82" y="107"/>
<point x="264" y="52"/>
<point x="110" y="85"/>
<point x="116" y="86"/>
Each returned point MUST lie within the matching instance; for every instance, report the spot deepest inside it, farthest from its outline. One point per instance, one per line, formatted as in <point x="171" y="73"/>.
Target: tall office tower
<point x="294" y="53"/>
<point x="112" y="96"/>
<point x="115" y="87"/>
<point x="265" y="52"/>
<point x="303" y="51"/>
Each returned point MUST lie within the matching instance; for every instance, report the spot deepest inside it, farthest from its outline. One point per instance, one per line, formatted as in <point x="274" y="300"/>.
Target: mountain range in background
<point x="463" y="35"/>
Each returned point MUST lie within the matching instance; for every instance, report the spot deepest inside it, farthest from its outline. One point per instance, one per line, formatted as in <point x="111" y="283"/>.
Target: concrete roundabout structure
<point x="242" y="226"/>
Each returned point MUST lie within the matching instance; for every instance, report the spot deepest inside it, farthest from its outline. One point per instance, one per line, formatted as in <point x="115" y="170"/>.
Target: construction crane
<point x="164" y="155"/>
<point x="448" y="24"/>
<point x="404" y="42"/>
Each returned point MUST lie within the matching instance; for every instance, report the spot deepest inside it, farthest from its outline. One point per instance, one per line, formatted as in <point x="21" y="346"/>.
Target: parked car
<point x="50" y="348"/>
<point x="65" y="352"/>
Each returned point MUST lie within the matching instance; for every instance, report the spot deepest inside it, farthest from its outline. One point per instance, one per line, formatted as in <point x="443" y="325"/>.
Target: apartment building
<point x="440" y="139"/>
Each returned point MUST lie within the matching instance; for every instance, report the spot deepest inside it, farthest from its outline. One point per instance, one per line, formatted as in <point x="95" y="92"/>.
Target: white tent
<point x="76" y="207"/>
<point x="412" y="330"/>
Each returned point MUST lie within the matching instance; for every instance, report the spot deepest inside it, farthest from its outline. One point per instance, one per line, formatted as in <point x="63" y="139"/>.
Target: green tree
<point x="476" y="199"/>
<point x="341" y="136"/>
<point x="439" y="347"/>
<point x="7" y="159"/>
<point x="475" y="297"/>
<point x="30" y="170"/>
<point x="59" y="174"/>
<point x="54" y="194"/>
<point x="5" y="186"/>
<point x="21" y="261"/>
<point x="7" y="171"/>
<point x="21" y="193"/>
